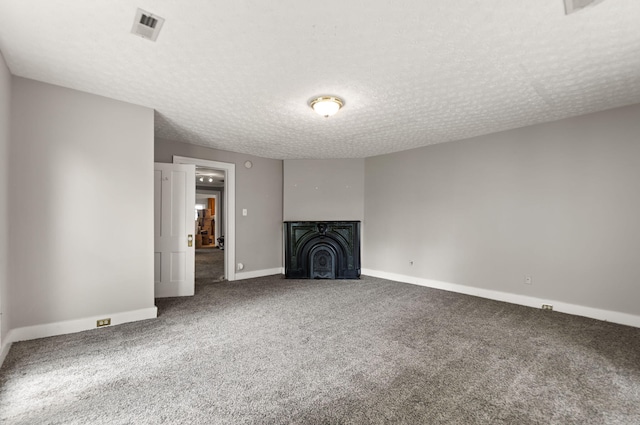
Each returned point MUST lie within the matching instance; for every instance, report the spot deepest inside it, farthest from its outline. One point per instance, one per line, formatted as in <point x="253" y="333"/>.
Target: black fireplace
<point x="322" y="249"/>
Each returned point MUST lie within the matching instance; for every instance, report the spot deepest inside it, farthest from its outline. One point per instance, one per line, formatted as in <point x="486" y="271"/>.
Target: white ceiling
<point x="238" y="75"/>
<point x="206" y="174"/>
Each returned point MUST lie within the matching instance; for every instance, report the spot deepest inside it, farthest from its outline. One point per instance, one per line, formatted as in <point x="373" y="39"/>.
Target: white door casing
<point x="174" y="206"/>
<point x="229" y="230"/>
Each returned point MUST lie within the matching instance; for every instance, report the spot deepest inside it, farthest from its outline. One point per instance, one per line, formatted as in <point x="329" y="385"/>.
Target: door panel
<point x="178" y="266"/>
<point x="177" y="201"/>
<point x="174" y="200"/>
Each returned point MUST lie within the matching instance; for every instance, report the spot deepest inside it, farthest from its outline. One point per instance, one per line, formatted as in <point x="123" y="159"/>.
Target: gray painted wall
<point x="559" y="202"/>
<point x="328" y="189"/>
<point x="5" y="96"/>
<point x="81" y="207"/>
<point x="258" y="189"/>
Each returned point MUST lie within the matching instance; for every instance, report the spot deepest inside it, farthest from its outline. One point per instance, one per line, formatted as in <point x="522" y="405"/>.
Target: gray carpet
<point x="276" y="351"/>
<point x="209" y="265"/>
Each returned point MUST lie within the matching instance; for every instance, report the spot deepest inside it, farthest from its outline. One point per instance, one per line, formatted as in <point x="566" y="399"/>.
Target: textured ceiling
<point x="237" y="75"/>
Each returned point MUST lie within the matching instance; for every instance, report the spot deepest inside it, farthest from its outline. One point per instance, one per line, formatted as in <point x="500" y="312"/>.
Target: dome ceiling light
<point x="326" y="105"/>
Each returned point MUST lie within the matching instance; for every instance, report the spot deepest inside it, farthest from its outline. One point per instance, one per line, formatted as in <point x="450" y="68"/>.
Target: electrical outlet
<point x="547" y="307"/>
<point x="103" y="322"/>
<point x="528" y="280"/>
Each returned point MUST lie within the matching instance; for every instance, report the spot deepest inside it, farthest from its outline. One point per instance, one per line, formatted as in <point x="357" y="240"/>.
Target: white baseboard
<point x="562" y="307"/>
<point x="71" y="326"/>
<point x="4" y="349"/>
<point x="259" y="273"/>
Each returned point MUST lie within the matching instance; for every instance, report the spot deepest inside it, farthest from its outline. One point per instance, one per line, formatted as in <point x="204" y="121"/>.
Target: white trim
<point x="562" y="307"/>
<point x="4" y="349"/>
<point x="79" y="325"/>
<point x="229" y="206"/>
<point x="259" y="273"/>
<point x="72" y="326"/>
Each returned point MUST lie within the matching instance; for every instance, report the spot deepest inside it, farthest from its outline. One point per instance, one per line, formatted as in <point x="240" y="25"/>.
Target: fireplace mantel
<point x="322" y="249"/>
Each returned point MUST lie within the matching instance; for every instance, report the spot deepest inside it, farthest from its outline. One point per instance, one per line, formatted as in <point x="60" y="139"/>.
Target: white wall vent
<point x="571" y="6"/>
<point x="147" y="25"/>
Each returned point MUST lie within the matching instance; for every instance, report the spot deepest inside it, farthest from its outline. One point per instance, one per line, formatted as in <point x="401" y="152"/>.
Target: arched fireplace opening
<point x="322" y="261"/>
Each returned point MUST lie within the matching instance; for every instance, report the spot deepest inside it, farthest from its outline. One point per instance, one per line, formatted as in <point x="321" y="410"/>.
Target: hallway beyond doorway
<point x="209" y="266"/>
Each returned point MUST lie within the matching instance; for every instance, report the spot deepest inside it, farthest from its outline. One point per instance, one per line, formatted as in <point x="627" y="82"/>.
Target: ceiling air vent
<point x="571" y="6"/>
<point x="147" y="25"/>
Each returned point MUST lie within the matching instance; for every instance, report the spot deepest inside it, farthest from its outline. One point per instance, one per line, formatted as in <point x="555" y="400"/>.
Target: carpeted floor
<point x="277" y="351"/>
<point x="209" y="265"/>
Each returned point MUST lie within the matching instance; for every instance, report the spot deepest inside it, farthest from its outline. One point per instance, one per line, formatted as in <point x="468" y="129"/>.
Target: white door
<point x="174" y="228"/>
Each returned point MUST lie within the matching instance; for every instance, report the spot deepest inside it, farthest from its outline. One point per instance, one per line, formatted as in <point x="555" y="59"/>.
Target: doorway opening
<point x="209" y="215"/>
<point x="225" y="205"/>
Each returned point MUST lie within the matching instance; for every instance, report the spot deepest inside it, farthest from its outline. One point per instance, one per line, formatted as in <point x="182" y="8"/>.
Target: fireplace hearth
<point x="322" y="249"/>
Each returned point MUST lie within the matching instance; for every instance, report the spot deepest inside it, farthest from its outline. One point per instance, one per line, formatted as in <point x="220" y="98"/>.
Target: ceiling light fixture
<point x="210" y="180"/>
<point x="201" y="179"/>
<point x="326" y="105"/>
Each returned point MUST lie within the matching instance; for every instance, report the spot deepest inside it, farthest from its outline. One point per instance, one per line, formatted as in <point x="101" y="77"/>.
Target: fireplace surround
<point x="322" y="249"/>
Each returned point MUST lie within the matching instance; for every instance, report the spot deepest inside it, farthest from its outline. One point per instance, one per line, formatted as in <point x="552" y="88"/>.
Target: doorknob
<point x="190" y="240"/>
